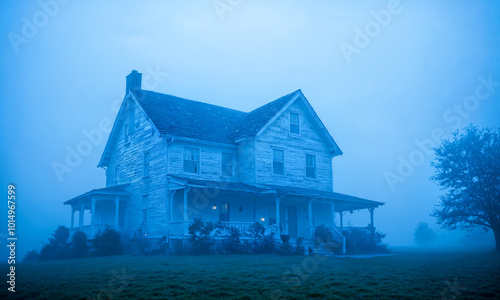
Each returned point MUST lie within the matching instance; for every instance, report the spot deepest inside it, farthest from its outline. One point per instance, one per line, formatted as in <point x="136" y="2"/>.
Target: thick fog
<point x="387" y="78"/>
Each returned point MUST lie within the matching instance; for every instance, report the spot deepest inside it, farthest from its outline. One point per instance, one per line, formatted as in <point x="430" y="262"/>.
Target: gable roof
<point x="187" y="118"/>
<point x="179" y="117"/>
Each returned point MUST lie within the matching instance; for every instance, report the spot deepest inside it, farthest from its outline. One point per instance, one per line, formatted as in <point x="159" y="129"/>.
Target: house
<point x="169" y="160"/>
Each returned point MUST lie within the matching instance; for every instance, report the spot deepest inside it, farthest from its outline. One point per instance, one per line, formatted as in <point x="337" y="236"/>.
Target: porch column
<point x="309" y="216"/>
<point x="80" y="216"/>
<point x="186" y="192"/>
<point x="117" y="212"/>
<point x="92" y="217"/>
<point x="72" y="216"/>
<point x="332" y="206"/>
<point x="371" y="215"/>
<point x="278" y="229"/>
<point x="170" y="196"/>
<point x="341" y="221"/>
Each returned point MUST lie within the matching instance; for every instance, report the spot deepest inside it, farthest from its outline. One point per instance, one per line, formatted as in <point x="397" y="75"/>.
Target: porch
<point x="294" y="212"/>
<point x="98" y="210"/>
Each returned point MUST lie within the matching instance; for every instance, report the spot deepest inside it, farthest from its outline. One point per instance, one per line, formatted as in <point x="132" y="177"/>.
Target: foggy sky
<point x="403" y="82"/>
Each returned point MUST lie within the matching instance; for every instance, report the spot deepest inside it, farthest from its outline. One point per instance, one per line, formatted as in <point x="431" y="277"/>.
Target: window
<point x="310" y="166"/>
<point x="131" y="117"/>
<point x="294" y="123"/>
<point x="144" y="215"/>
<point x="146" y="164"/>
<point x="224" y="212"/>
<point x="117" y="174"/>
<point x="191" y="160"/>
<point x="278" y="162"/>
<point x="126" y="133"/>
<point x="227" y="164"/>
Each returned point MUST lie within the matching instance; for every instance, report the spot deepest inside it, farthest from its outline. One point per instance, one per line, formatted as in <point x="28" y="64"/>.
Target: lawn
<point x="405" y="276"/>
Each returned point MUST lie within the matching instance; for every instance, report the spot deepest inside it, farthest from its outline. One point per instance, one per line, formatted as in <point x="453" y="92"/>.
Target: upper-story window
<point x="146" y="164"/>
<point x="117" y="174"/>
<point x="278" y="162"/>
<point x="191" y="160"/>
<point x="294" y="123"/>
<point x="310" y="166"/>
<point x="131" y="117"/>
<point x="227" y="164"/>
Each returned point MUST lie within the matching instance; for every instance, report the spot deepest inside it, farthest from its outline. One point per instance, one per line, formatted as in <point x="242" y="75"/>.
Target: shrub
<point x="57" y="247"/>
<point x="360" y="241"/>
<point x="79" y="245"/>
<point x="260" y="242"/>
<point x="299" y="249"/>
<point x="140" y="244"/>
<point x="200" y="236"/>
<point x="31" y="256"/>
<point x="322" y="235"/>
<point x="107" y="242"/>
<point x="285" y="248"/>
<point x="231" y="243"/>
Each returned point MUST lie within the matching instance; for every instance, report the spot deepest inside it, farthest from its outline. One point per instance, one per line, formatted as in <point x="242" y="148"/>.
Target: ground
<point x="404" y="276"/>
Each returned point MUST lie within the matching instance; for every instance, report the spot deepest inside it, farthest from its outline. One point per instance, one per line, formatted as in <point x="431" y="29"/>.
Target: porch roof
<point x="342" y="202"/>
<point x="117" y="190"/>
<point x="225" y="186"/>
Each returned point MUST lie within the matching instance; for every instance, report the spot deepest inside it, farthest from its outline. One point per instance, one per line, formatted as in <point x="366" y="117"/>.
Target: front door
<point x="292" y="221"/>
<point x="288" y="220"/>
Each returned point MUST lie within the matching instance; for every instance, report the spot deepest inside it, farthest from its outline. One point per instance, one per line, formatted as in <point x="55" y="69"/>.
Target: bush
<point x="107" y="242"/>
<point x="299" y="249"/>
<point x="362" y="241"/>
<point x="285" y="248"/>
<point x="261" y="243"/>
<point x="57" y="247"/>
<point x="200" y="236"/>
<point x="231" y="243"/>
<point x="322" y="235"/>
<point x="31" y="256"/>
<point x="140" y="244"/>
<point x="79" y="245"/>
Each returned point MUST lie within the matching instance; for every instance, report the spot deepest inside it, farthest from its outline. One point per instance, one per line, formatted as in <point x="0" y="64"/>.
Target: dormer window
<point x="191" y="160"/>
<point x="294" y="123"/>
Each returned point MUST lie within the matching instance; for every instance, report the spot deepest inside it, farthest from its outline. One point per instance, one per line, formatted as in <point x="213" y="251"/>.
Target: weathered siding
<point x="310" y="141"/>
<point x="130" y="159"/>
<point x="246" y="161"/>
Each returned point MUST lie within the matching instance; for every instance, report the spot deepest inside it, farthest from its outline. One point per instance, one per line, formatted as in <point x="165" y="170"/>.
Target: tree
<point x="79" y="246"/>
<point x="57" y="247"/>
<point x="107" y="242"/>
<point x="424" y="236"/>
<point x="468" y="168"/>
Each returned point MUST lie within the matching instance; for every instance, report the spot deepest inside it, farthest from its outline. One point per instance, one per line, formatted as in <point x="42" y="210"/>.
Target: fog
<point x="384" y="91"/>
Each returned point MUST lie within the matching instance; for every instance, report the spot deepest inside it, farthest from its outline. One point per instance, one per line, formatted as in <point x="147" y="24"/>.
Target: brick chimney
<point x="133" y="81"/>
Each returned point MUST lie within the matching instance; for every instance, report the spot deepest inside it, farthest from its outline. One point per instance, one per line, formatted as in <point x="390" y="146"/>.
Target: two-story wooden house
<point x="169" y="160"/>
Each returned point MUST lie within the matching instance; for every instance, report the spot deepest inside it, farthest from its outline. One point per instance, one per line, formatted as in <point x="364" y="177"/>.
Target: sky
<point x="387" y="78"/>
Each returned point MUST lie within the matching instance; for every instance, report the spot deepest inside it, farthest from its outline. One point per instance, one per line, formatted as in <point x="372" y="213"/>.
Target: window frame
<point x="117" y="175"/>
<point x="315" y="166"/>
<point x="184" y="160"/>
<point x="295" y="125"/>
<point x="146" y="163"/>
<point x="223" y="169"/>
<point x="283" y="162"/>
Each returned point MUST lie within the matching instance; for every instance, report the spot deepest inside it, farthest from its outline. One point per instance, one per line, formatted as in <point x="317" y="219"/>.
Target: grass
<point x="405" y="276"/>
